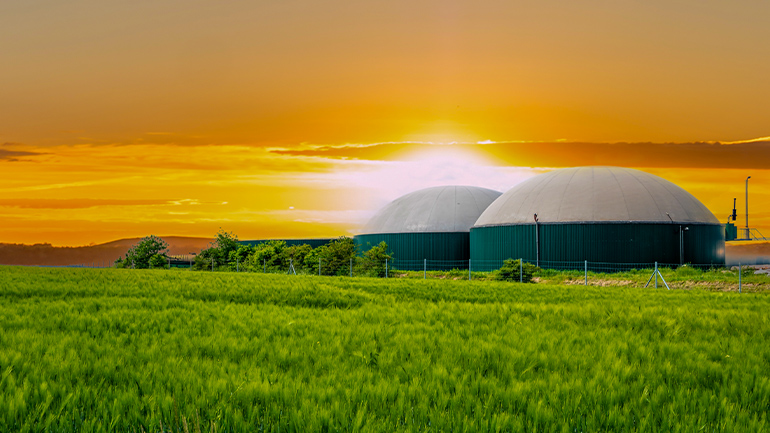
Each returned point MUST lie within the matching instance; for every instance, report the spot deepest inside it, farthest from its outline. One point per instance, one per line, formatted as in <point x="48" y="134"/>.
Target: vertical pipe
<point x="319" y="266"/>
<point x="469" y="269"/>
<point x="656" y="275"/>
<point x="739" y="278"/>
<point x="586" y="272"/>
<point x="521" y="270"/>
<point x="537" y="243"/>
<point x="681" y="247"/>
<point x="748" y="235"/>
<point x="424" y="269"/>
<point x="386" y="268"/>
<point x="351" y="266"/>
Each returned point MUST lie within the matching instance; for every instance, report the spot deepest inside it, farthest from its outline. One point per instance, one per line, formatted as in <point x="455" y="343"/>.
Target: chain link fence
<point x="451" y="269"/>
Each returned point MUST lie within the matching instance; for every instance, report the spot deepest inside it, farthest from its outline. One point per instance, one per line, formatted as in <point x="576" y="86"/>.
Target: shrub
<point x="139" y="255"/>
<point x="202" y="262"/>
<point x="158" y="261"/>
<point x="511" y="270"/>
<point x="335" y="257"/>
<point x="238" y="258"/>
<point x="295" y="255"/>
<point x="372" y="263"/>
<point x="267" y="256"/>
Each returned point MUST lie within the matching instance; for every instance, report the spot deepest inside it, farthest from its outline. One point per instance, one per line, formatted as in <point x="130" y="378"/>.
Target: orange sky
<point x="122" y="119"/>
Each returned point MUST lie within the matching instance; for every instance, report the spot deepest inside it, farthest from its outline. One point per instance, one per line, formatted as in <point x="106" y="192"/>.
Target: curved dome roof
<point x="591" y="194"/>
<point x="437" y="209"/>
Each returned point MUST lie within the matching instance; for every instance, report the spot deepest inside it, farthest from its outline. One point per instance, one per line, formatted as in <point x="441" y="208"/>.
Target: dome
<point x="596" y="194"/>
<point x="437" y="209"/>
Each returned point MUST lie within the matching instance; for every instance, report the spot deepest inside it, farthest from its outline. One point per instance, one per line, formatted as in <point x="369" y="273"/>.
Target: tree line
<point x="226" y="253"/>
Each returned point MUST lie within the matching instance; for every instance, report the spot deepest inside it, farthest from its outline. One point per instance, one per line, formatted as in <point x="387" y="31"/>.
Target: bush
<point x="225" y="243"/>
<point x="267" y="256"/>
<point x="139" y="255"/>
<point x="158" y="261"/>
<point x="372" y="263"/>
<point x="202" y="262"/>
<point x="511" y="270"/>
<point x="295" y="255"/>
<point x="335" y="257"/>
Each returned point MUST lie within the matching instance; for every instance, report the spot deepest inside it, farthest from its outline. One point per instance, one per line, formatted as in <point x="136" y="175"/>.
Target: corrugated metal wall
<point x="597" y="242"/>
<point x="410" y="249"/>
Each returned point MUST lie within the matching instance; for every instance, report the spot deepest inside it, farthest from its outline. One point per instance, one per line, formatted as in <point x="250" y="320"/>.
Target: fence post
<point x="656" y="275"/>
<point x="469" y="269"/>
<point x="351" y="266"/>
<point x="740" y="289"/>
<point x="424" y="269"/>
<point x="586" y="272"/>
<point x="319" y="266"/>
<point x="386" y="268"/>
<point x="521" y="270"/>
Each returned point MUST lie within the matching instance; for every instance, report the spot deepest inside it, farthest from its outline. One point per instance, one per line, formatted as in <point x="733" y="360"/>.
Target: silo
<point x="612" y="215"/>
<point x="428" y="224"/>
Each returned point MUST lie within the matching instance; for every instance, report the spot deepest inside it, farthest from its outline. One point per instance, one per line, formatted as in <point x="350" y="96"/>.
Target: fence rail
<point x="456" y="269"/>
<point x="354" y="266"/>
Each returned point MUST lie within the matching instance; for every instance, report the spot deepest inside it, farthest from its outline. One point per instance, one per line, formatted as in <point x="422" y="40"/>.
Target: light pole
<point x="748" y="234"/>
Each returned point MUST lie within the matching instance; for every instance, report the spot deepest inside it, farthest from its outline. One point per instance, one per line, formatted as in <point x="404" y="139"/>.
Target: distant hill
<point x="101" y="254"/>
<point x="747" y="253"/>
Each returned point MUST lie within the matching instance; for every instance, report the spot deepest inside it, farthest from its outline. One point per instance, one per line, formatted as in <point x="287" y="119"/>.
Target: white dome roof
<point x="596" y="194"/>
<point x="437" y="209"/>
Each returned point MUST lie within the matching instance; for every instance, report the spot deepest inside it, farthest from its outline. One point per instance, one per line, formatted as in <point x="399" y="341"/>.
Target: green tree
<point x="372" y="263"/>
<point x="158" y="261"/>
<point x="239" y="257"/>
<point x="334" y="257"/>
<point x="218" y="252"/>
<point x="139" y="255"/>
<point x="226" y="243"/>
<point x="296" y="254"/>
<point x="267" y="256"/>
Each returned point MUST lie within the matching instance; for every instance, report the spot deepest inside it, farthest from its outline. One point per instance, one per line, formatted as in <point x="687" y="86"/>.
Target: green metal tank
<point x="430" y="224"/>
<point x="618" y="217"/>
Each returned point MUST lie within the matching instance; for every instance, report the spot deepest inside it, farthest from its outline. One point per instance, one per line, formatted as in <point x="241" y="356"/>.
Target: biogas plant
<point x="609" y="215"/>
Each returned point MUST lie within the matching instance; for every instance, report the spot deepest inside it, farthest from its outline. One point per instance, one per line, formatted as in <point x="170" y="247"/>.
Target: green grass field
<point x="122" y="350"/>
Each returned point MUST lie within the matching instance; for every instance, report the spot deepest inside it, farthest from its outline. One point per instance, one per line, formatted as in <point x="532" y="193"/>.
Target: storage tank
<point x="428" y="224"/>
<point x="606" y="215"/>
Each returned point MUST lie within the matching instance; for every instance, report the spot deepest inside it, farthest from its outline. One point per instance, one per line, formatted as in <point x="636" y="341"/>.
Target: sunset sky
<point x="300" y="119"/>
